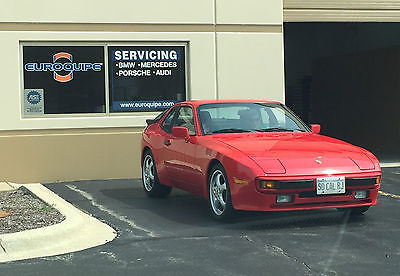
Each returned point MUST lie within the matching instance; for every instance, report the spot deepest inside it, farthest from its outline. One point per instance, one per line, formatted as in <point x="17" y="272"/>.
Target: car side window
<point x="166" y="125"/>
<point x="185" y="119"/>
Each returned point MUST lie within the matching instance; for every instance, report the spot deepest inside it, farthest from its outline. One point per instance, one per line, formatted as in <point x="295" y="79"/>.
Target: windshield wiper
<point x="231" y="130"/>
<point x="279" y="129"/>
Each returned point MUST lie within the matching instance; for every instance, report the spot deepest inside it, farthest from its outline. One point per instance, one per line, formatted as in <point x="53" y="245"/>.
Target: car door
<point x="158" y="144"/>
<point x="178" y="151"/>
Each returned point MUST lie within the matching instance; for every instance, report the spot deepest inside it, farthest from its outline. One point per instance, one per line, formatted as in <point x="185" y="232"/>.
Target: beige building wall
<point x="240" y="67"/>
<point x="102" y="11"/>
<point x="229" y="51"/>
<point x="70" y="154"/>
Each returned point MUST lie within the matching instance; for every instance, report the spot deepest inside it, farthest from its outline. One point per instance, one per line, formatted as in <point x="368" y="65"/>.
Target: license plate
<point x="331" y="185"/>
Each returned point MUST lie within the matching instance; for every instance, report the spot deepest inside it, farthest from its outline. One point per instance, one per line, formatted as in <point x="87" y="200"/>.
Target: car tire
<point x="219" y="195"/>
<point x="355" y="211"/>
<point x="151" y="184"/>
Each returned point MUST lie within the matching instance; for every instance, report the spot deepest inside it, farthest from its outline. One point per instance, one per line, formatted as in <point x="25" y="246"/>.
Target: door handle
<point x="167" y="142"/>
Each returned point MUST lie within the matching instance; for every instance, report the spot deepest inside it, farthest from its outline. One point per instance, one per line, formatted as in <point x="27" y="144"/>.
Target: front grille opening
<point x="368" y="181"/>
<point x="295" y="184"/>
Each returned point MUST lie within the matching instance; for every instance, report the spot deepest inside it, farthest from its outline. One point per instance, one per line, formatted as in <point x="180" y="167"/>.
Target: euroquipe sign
<point x="63" y="67"/>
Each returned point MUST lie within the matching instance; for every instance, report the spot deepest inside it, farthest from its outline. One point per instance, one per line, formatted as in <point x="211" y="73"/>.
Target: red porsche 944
<point x="254" y="155"/>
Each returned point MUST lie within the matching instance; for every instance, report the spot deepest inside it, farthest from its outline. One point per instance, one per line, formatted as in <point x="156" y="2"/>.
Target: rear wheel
<point x="150" y="181"/>
<point x="219" y="196"/>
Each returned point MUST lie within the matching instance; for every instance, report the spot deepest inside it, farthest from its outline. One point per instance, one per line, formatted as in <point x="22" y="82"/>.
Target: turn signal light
<point x="267" y="184"/>
<point x="378" y="179"/>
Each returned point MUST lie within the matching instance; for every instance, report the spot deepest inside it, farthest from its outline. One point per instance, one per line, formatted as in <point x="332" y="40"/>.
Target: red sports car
<point x="254" y="155"/>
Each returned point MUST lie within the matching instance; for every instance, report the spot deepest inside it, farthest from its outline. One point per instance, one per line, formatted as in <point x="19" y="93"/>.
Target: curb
<point x="4" y="186"/>
<point x="77" y="232"/>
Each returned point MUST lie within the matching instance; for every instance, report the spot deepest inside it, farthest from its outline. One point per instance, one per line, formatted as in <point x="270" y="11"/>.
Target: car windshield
<point x="239" y="117"/>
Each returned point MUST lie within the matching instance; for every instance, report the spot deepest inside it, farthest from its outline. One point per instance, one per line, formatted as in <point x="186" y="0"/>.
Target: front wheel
<point x="150" y="181"/>
<point x="219" y="196"/>
<point x="355" y="211"/>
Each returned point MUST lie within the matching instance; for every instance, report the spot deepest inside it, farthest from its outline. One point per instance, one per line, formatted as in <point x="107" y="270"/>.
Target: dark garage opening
<point x="346" y="77"/>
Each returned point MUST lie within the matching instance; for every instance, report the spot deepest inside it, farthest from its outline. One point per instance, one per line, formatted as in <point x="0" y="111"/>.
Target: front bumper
<point x="304" y="201"/>
<point x="306" y="198"/>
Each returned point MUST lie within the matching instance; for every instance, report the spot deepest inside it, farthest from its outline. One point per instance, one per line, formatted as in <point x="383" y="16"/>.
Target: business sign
<point x="146" y="78"/>
<point x="73" y="77"/>
<point x="58" y="66"/>
<point x="33" y="102"/>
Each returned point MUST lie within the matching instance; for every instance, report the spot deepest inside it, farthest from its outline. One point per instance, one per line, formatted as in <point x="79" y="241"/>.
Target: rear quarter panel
<point x="153" y="139"/>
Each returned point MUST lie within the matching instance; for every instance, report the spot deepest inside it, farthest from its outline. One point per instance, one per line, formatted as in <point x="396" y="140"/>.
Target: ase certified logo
<point x="63" y="67"/>
<point x="33" y="97"/>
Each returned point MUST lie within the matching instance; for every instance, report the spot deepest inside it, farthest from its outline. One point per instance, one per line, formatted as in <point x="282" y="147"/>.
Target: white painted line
<point x="110" y="212"/>
<point x="390" y="164"/>
<point x="335" y="251"/>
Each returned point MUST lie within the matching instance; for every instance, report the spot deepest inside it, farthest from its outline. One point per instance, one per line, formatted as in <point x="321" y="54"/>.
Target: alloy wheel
<point x="218" y="192"/>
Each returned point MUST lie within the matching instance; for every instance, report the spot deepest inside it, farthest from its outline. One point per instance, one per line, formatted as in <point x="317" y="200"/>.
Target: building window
<point x="65" y="80"/>
<point x="78" y="79"/>
<point x="146" y="78"/>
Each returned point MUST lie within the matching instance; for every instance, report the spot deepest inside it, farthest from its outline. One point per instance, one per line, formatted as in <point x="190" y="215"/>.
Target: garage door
<point x="341" y="10"/>
<point x="345" y="76"/>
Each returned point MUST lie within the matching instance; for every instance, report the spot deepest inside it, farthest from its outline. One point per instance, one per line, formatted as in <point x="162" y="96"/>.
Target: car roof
<point x="201" y="102"/>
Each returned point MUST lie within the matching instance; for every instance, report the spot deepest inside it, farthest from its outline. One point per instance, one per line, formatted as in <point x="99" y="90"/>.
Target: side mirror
<point x="180" y="132"/>
<point x="315" y="128"/>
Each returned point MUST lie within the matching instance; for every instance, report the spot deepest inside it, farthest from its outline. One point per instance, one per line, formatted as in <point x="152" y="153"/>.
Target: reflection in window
<point x="185" y="119"/>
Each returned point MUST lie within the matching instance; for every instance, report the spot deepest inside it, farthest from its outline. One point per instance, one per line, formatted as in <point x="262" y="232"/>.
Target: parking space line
<point x="389" y="194"/>
<point x="389" y="164"/>
<point x="111" y="212"/>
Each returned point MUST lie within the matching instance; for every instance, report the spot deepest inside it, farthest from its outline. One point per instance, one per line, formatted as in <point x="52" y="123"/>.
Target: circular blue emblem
<point x="33" y="97"/>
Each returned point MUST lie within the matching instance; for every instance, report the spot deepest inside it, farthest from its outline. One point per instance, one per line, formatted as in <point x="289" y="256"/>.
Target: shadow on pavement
<point x="184" y="208"/>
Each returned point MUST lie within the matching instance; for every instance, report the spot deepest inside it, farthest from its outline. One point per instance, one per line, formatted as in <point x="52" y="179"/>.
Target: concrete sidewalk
<point x="77" y="232"/>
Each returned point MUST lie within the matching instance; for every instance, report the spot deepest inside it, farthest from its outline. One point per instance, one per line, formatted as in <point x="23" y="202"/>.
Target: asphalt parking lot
<point x="176" y="236"/>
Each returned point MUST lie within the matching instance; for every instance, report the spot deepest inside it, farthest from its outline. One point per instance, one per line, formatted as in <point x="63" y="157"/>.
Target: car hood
<point x="299" y="153"/>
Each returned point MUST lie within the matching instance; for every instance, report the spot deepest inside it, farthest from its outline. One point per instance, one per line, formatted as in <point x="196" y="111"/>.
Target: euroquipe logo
<point x="63" y="67"/>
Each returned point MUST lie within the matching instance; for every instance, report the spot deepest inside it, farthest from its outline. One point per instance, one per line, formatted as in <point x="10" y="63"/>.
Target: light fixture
<point x="284" y="198"/>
